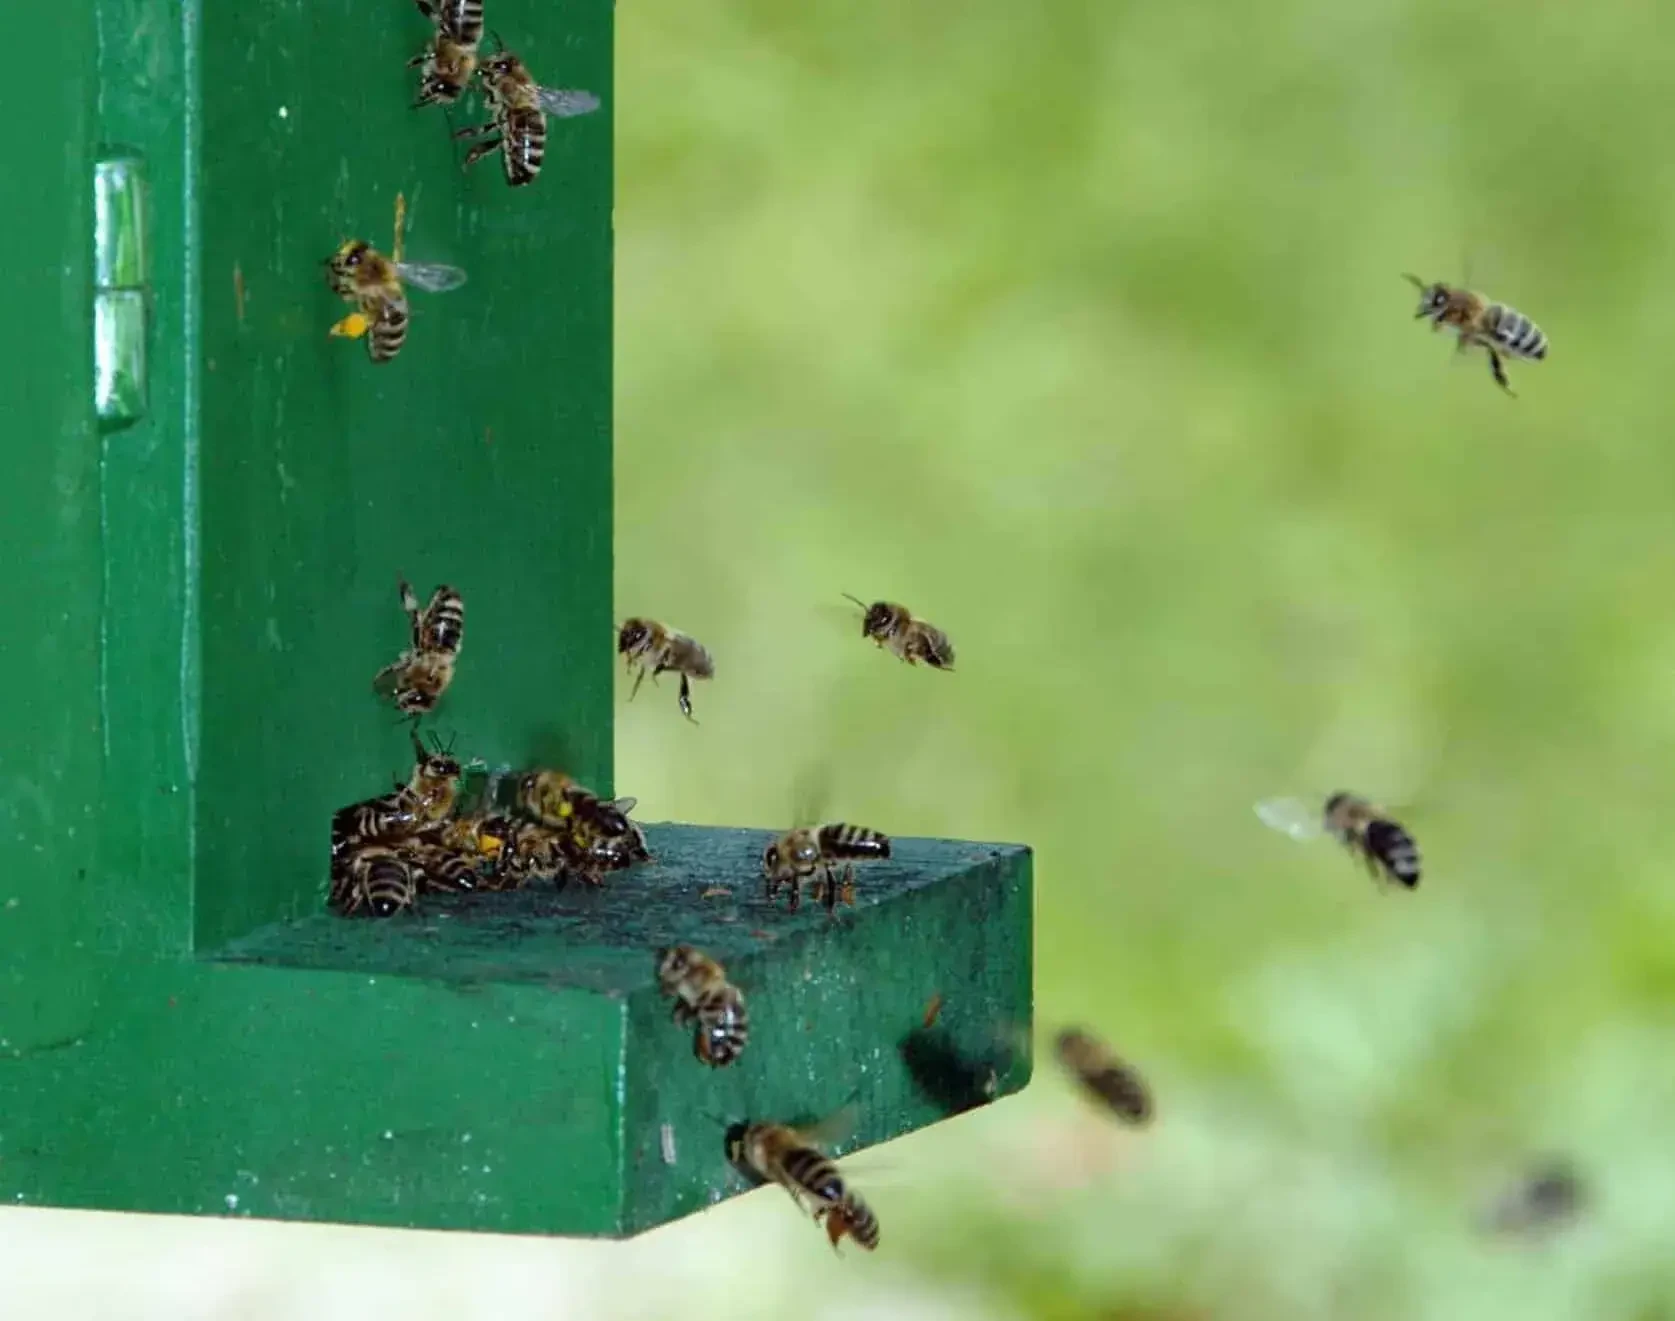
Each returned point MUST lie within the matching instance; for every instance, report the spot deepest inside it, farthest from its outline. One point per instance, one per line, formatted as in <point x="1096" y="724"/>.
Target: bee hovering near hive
<point x="1115" y="1085"/>
<point x="1365" y="830"/>
<point x="417" y="678"/>
<point x="706" y="1000"/>
<point x="1478" y="321"/>
<point x="647" y="644"/>
<point x="777" y="1153"/>
<point x="450" y="57"/>
<point x="913" y="640"/>
<point x="374" y="283"/>
<point x="811" y="851"/>
<point x="518" y="129"/>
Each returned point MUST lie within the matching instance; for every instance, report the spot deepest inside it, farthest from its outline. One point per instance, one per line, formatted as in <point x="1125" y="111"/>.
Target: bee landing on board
<point x="779" y="1154"/>
<point x="1475" y="320"/>
<point x="360" y="274"/>
<point x="450" y="57"/>
<point x="1115" y="1085"/>
<point x="1365" y="830"/>
<point x="417" y="678"/>
<point x="810" y="851"/>
<point x="518" y="129"/>
<point x="913" y="640"/>
<point x="646" y="643"/>
<point x="705" y="998"/>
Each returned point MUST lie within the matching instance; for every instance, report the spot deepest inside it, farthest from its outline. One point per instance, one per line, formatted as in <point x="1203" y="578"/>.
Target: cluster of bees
<point x="450" y="64"/>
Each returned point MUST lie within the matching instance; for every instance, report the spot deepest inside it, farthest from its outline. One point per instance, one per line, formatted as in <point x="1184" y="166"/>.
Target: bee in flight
<point x="777" y="1153"/>
<point x="811" y="850"/>
<point x="374" y="283"/>
<point x="418" y="677"/>
<point x="450" y="57"/>
<point x="519" y="106"/>
<point x="646" y="643"/>
<point x="1114" y="1084"/>
<point x="894" y="626"/>
<point x="705" y="998"/>
<point x="1546" y="1198"/>
<point x="1366" y="831"/>
<point x="1497" y="328"/>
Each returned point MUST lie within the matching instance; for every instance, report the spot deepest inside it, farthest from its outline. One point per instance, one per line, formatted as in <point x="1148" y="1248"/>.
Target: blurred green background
<point x="1079" y="327"/>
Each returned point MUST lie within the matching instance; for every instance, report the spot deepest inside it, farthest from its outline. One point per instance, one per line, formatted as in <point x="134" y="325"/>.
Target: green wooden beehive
<point x="215" y="505"/>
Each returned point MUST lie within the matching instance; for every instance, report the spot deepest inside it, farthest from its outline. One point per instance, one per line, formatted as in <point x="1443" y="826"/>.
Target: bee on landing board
<point x="374" y="283"/>
<point x="1115" y="1085"/>
<point x="647" y="644"/>
<point x="704" y="998"/>
<point x="777" y="1153"/>
<point x="810" y="851"/>
<point x="591" y="835"/>
<point x="1386" y="848"/>
<point x="375" y="880"/>
<point x="1476" y="320"/>
<point x="913" y="640"/>
<point x="450" y="57"/>
<point x="427" y="798"/>
<point x="417" y="678"/>
<point x="519" y="106"/>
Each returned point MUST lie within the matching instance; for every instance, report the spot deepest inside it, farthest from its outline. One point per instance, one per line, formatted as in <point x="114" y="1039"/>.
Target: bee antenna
<point x="857" y="600"/>
<point x="1414" y="280"/>
<point x="498" y="41"/>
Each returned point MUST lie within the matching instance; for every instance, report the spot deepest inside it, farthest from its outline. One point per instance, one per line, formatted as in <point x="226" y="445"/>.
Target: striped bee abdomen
<point x="444" y="621"/>
<point x="389" y="328"/>
<point x="1516" y="334"/>
<point x="858" y="1221"/>
<point x="723" y="1026"/>
<point x="523" y="146"/>
<point x="812" y="1172"/>
<point x="841" y="840"/>
<point x="1394" y="850"/>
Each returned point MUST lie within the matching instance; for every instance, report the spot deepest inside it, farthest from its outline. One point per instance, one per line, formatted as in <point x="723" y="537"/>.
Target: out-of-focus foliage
<point x="1079" y="327"/>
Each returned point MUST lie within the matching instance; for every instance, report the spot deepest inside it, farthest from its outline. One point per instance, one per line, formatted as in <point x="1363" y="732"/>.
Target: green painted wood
<point x="505" y="1063"/>
<point x="50" y="779"/>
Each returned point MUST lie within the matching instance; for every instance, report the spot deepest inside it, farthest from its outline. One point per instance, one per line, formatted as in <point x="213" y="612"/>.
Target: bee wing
<point x="432" y="278"/>
<point x="1292" y="816"/>
<point x="567" y="102"/>
<point x="626" y="805"/>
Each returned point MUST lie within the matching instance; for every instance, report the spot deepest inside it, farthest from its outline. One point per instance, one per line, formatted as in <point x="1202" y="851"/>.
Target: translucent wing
<point x="567" y="102"/>
<point x="626" y="805"/>
<point x="431" y="278"/>
<point x="1292" y="816"/>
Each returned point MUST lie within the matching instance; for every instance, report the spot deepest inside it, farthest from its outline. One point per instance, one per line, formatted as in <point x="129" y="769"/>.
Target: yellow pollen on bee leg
<point x="400" y="225"/>
<point x="352" y="326"/>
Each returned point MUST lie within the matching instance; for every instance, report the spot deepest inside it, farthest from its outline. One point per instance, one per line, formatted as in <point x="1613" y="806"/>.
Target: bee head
<point x="1336" y="801"/>
<point x="502" y="64"/>
<point x="1433" y="298"/>
<point x="633" y="636"/>
<point x="351" y="254"/>
<point x="770" y="859"/>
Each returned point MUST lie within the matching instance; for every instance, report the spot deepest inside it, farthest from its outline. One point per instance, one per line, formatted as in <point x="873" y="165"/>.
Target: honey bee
<point x="810" y="851"/>
<point x="1366" y="831"/>
<point x="1107" y="1079"/>
<point x="375" y="879"/>
<point x="450" y="57"/>
<point x="520" y="108"/>
<point x="1544" y="1199"/>
<point x="1476" y="320"/>
<point x="592" y="836"/>
<point x="427" y="798"/>
<point x="360" y="274"/>
<point x="418" y="677"/>
<point x="895" y="627"/>
<point x="646" y="643"/>
<point x="703" y="996"/>
<point x="532" y="851"/>
<point x="779" y="1154"/>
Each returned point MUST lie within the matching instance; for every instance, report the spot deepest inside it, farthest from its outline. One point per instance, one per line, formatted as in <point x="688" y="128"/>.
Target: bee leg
<point x="474" y="130"/>
<point x="1499" y="372"/>
<point x="686" y="698"/>
<point x="639" y="678"/>
<point x="352" y="326"/>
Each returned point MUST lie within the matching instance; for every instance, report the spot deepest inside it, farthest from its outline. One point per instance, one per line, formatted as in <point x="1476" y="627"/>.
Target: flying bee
<point x="1544" y="1199"/>
<point x="450" y="57"/>
<point x="853" y="1217"/>
<point x="704" y="997"/>
<point x="518" y="129"/>
<point x="1115" y="1085"/>
<point x="1476" y="320"/>
<point x="418" y="677"/>
<point x="374" y="283"/>
<point x="646" y="643"/>
<point x="1386" y="848"/>
<point x="913" y="640"/>
<point x="810" y="851"/>
<point x="375" y="879"/>
<point x="777" y="1153"/>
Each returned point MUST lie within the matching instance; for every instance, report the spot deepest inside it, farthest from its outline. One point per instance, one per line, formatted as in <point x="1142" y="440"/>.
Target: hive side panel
<point x="479" y="457"/>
